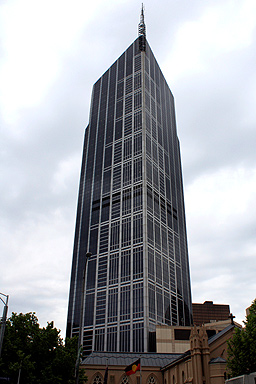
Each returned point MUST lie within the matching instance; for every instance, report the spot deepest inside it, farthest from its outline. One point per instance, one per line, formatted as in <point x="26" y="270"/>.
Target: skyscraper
<point x="130" y="213"/>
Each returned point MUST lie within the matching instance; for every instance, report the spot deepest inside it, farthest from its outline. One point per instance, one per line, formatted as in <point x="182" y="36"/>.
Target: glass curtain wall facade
<point x="130" y="213"/>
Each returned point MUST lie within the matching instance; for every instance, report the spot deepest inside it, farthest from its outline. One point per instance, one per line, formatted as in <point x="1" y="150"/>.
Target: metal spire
<point x="142" y="26"/>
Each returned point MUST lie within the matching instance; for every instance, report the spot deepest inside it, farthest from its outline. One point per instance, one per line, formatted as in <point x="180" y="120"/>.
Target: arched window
<point x="183" y="377"/>
<point x="173" y="379"/>
<point x="125" y="380"/>
<point x="97" y="379"/>
<point x="151" y="380"/>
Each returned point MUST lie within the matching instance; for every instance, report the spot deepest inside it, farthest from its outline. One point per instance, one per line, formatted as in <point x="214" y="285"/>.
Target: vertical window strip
<point x="114" y="236"/>
<point x="102" y="272"/>
<point x="115" y="206"/>
<point x="126" y="202"/>
<point x="117" y="177"/>
<point x="137" y="170"/>
<point x="99" y="339"/>
<point x="138" y="337"/>
<point x="100" y="307"/>
<point x="138" y="300"/>
<point x="137" y="198"/>
<point x="111" y="339"/>
<point x="126" y="265"/>
<point x="112" y="305"/>
<point x="137" y="100"/>
<point x="125" y="303"/>
<point x="151" y="301"/>
<point x="103" y="238"/>
<point x="137" y="63"/>
<point x="137" y="121"/>
<point x="159" y="304"/>
<point x="138" y="263"/>
<point x="113" y="268"/>
<point x="137" y="229"/>
<point x="127" y="173"/>
<point x="125" y="338"/>
<point x="138" y="144"/>
<point x="127" y="125"/>
<point x="127" y="148"/>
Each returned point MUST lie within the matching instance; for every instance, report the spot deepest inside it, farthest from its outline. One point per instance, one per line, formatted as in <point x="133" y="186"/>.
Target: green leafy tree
<point x="242" y="347"/>
<point x="37" y="355"/>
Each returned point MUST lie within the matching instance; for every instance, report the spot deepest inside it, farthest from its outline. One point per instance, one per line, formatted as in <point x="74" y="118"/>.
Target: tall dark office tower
<point x="130" y="213"/>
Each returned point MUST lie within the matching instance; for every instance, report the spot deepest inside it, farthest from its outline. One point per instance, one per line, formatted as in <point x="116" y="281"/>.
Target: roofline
<point x="128" y="355"/>
<point x="184" y="357"/>
<point x="221" y="333"/>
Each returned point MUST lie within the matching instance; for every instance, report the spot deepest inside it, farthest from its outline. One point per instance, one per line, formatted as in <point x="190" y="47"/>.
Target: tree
<point x="37" y="355"/>
<point x="242" y="347"/>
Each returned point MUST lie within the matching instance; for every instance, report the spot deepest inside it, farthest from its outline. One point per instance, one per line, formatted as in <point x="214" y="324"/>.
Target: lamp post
<point x="81" y="323"/>
<point x="3" y="322"/>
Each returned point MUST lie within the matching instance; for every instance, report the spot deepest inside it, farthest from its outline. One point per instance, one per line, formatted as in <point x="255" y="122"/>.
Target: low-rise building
<point x="204" y="362"/>
<point x="176" y="339"/>
<point x="243" y="379"/>
<point x="209" y="312"/>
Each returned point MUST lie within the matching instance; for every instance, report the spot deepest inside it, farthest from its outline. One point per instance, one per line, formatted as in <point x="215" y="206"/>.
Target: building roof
<point x="218" y="360"/>
<point x="221" y="333"/>
<point x="182" y="357"/>
<point x="127" y="358"/>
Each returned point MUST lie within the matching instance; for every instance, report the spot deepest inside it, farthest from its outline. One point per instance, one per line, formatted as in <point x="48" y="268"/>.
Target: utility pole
<point x="3" y="321"/>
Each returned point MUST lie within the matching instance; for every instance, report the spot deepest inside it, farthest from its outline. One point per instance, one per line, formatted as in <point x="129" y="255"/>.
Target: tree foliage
<point x="37" y="354"/>
<point x="242" y="347"/>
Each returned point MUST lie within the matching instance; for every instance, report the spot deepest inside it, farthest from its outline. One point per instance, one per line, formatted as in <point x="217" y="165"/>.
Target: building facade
<point x="209" y="312"/>
<point x="130" y="213"/>
<point x="176" y="339"/>
<point x="204" y="362"/>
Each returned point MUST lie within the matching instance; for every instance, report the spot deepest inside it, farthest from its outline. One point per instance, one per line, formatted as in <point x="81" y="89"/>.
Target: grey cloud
<point x="38" y="219"/>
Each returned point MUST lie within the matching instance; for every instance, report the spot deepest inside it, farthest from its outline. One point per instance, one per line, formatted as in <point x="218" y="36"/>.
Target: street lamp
<point x="3" y="321"/>
<point x="81" y="323"/>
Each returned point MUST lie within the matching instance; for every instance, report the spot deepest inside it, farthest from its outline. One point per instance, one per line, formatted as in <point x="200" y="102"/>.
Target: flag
<point x="106" y="376"/>
<point x="134" y="367"/>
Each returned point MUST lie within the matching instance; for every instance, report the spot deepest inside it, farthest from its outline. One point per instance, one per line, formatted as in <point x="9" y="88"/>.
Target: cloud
<point x="221" y="229"/>
<point x="51" y="54"/>
<point x="216" y="126"/>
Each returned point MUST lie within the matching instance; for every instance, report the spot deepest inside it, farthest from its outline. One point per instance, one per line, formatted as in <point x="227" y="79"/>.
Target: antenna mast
<point x="142" y="31"/>
<point x="142" y="26"/>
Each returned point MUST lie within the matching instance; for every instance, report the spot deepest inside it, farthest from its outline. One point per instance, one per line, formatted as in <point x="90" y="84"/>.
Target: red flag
<point x="134" y="367"/>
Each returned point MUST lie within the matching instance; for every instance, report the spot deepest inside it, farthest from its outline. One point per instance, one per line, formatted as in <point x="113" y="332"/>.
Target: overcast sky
<point x="51" y="53"/>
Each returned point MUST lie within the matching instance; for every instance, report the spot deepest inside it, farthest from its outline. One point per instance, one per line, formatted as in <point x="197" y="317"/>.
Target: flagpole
<point x="105" y="381"/>
<point x="140" y="369"/>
